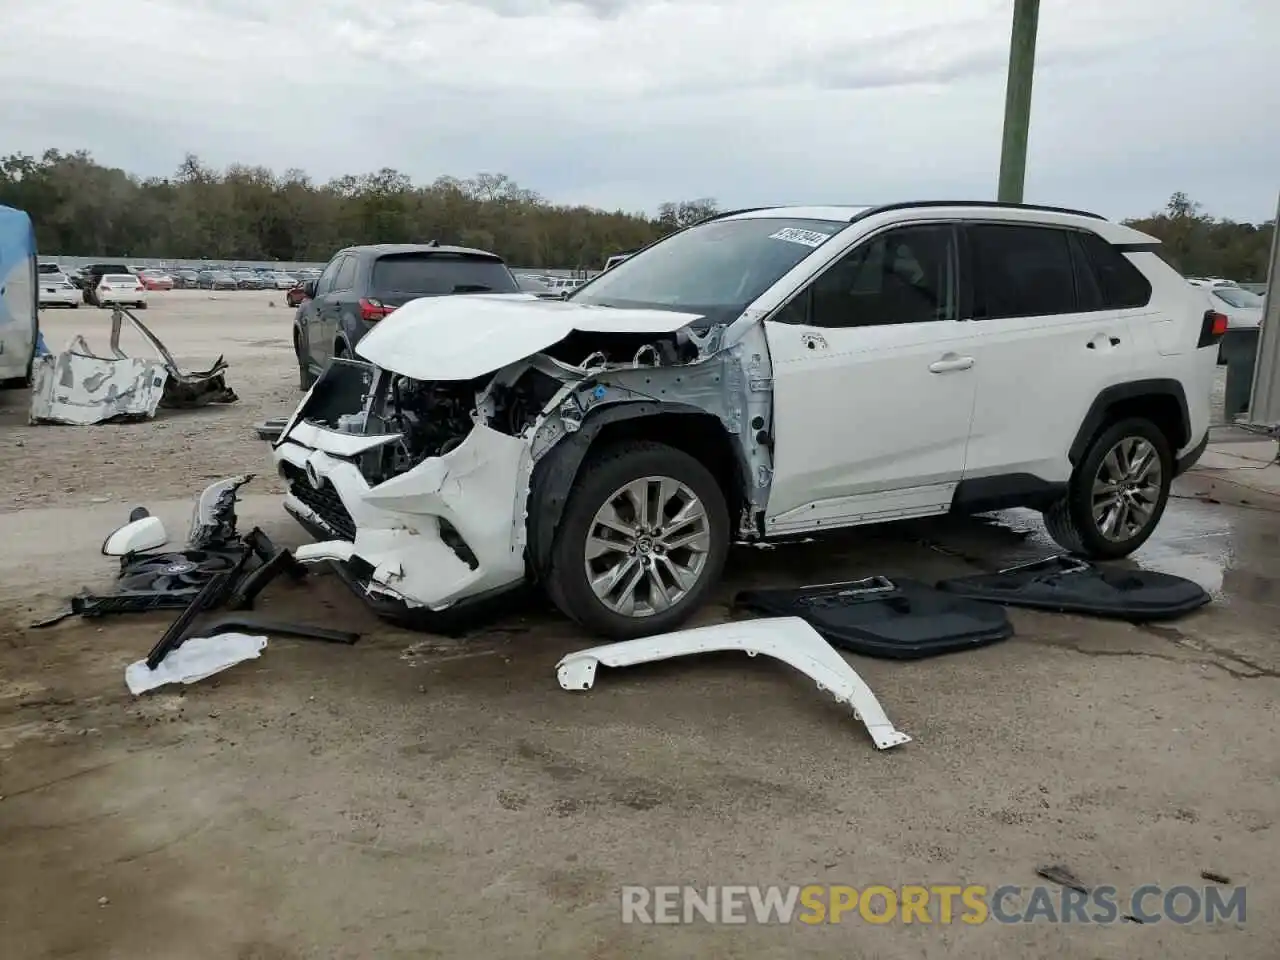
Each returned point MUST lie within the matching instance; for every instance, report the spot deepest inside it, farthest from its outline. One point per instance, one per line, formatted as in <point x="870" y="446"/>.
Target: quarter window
<point x="906" y="275"/>
<point x="1123" y="285"/>
<point x="1021" y="271"/>
<point x="325" y="283"/>
<point x="346" y="278"/>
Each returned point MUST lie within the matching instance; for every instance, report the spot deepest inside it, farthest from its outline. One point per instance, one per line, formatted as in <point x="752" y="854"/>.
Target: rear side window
<point x="1021" y="271"/>
<point x="1123" y="286"/>
<point x="434" y="274"/>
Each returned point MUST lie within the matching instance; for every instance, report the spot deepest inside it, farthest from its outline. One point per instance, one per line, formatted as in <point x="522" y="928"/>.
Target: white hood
<point x="466" y="336"/>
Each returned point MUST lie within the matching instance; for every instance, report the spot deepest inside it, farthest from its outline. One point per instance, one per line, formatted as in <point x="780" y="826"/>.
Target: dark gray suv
<point x="361" y="285"/>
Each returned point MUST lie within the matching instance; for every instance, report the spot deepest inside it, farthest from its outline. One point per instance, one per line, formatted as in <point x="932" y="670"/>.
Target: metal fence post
<point x="1264" y="401"/>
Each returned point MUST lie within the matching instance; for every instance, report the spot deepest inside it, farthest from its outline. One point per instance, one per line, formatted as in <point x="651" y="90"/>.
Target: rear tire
<point x="670" y="480"/>
<point x="1117" y="493"/>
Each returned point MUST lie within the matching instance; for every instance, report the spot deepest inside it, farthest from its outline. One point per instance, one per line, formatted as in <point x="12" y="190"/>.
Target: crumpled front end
<point x="417" y="469"/>
<point x="448" y="528"/>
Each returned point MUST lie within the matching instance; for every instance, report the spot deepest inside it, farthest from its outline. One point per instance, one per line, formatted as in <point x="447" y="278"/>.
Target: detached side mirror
<point x="309" y="289"/>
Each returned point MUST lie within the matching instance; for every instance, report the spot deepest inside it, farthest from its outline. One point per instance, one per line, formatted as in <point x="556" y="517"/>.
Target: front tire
<point x="1117" y="493"/>
<point x="643" y="540"/>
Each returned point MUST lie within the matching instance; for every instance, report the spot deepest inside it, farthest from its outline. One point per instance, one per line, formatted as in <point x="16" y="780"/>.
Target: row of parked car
<point x="99" y="284"/>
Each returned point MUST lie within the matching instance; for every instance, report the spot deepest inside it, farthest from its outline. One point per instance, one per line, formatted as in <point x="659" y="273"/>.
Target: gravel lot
<point x="419" y="796"/>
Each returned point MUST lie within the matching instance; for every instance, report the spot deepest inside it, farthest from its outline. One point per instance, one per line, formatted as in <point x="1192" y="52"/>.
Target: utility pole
<point x="1017" y="100"/>
<point x="1264" y="405"/>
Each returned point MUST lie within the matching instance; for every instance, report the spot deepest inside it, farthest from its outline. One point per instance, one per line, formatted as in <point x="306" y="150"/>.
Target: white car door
<point x="1045" y="349"/>
<point x="873" y="385"/>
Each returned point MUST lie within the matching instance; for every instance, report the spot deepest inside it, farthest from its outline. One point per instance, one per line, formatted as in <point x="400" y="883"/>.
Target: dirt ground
<point x="421" y="796"/>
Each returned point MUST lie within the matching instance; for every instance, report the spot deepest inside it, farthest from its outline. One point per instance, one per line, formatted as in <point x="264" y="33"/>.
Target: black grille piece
<point x="324" y="501"/>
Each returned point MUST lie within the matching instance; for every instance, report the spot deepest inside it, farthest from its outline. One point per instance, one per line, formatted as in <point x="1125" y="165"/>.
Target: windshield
<point x="715" y="269"/>
<point x="1237" y="297"/>
<point x="433" y="274"/>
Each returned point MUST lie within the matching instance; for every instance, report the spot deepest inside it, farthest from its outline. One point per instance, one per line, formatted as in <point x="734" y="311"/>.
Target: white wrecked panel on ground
<point x="196" y="659"/>
<point x="79" y="387"/>
<point x="788" y="639"/>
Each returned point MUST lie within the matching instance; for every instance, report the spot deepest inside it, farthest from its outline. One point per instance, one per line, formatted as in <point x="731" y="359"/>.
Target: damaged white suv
<point x="763" y="374"/>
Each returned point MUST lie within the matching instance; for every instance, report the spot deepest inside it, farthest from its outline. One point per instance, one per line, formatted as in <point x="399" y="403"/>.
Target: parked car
<point x="47" y="268"/>
<point x="297" y="293"/>
<point x="123" y="289"/>
<point x="186" y="279"/>
<point x="156" y="280"/>
<point x="279" y="281"/>
<point x="57" y="290"/>
<point x="247" y="280"/>
<point x="563" y="286"/>
<point x="537" y="286"/>
<point x="217" y="280"/>
<point x="91" y="277"/>
<point x="362" y="285"/>
<point x="761" y="375"/>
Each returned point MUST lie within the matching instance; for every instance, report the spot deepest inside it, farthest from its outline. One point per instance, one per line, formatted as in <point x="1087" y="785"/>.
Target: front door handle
<point x="950" y="362"/>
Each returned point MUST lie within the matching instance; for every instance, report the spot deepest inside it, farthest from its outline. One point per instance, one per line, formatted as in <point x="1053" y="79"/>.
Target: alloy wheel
<point x="647" y="546"/>
<point x="1126" y="489"/>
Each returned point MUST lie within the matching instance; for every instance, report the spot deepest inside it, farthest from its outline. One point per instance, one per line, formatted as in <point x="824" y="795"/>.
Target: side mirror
<point x="309" y="289"/>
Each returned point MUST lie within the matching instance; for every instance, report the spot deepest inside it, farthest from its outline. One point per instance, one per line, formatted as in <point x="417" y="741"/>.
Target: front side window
<point x="715" y="269"/>
<point x="1021" y="271"/>
<point x="904" y="275"/>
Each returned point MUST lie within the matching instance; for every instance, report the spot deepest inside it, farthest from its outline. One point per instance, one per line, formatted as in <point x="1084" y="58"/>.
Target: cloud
<point x="626" y="103"/>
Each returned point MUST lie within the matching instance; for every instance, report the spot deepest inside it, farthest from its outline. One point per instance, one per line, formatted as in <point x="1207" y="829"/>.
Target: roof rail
<point x="730" y="213"/>
<point x="995" y="204"/>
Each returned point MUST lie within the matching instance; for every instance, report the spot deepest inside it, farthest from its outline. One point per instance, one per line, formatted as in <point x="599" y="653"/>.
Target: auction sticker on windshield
<point x="810" y="238"/>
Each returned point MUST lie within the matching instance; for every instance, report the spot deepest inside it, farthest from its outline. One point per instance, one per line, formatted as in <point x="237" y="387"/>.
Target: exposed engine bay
<point x="432" y="418"/>
<point x="424" y="468"/>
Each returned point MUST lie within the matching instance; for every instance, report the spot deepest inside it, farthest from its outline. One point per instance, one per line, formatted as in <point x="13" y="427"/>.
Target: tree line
<point x="82" y="208"/>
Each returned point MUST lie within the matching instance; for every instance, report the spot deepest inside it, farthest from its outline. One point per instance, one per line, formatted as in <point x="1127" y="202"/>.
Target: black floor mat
<point x="876" y="617"/>
<point x="1067" y="585"/>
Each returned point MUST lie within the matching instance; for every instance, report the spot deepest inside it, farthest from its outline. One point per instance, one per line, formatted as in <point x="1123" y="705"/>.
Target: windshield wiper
<point x="471" y="288"/>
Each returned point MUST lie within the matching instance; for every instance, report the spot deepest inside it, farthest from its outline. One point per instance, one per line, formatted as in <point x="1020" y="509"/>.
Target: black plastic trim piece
<point x="984" y="204"/>
<point x="1191" y="457"/>
<point x="235" y="622"/>
<point x="1005" y="491"/>
<point x="1097" y="415"/>
<point x="1069" y="585"/>
<point x="1153" y="246"/>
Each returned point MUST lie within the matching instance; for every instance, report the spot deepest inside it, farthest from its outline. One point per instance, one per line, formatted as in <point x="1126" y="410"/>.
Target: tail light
<point x="372" y="309"/>
<point x="1212" y="328"/>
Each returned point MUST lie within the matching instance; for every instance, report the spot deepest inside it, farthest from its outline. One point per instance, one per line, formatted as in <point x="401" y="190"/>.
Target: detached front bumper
<point x="446" y="531"/>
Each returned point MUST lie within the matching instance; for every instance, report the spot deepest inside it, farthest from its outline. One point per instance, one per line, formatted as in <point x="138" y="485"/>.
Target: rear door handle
<point x="950" y="362"/>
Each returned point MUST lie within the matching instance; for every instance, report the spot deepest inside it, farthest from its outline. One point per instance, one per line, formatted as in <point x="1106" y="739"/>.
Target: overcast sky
<point x="627" y="103"/>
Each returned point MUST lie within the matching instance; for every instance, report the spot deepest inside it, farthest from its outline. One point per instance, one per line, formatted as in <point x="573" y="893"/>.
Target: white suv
<point x="763" y="374"/>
